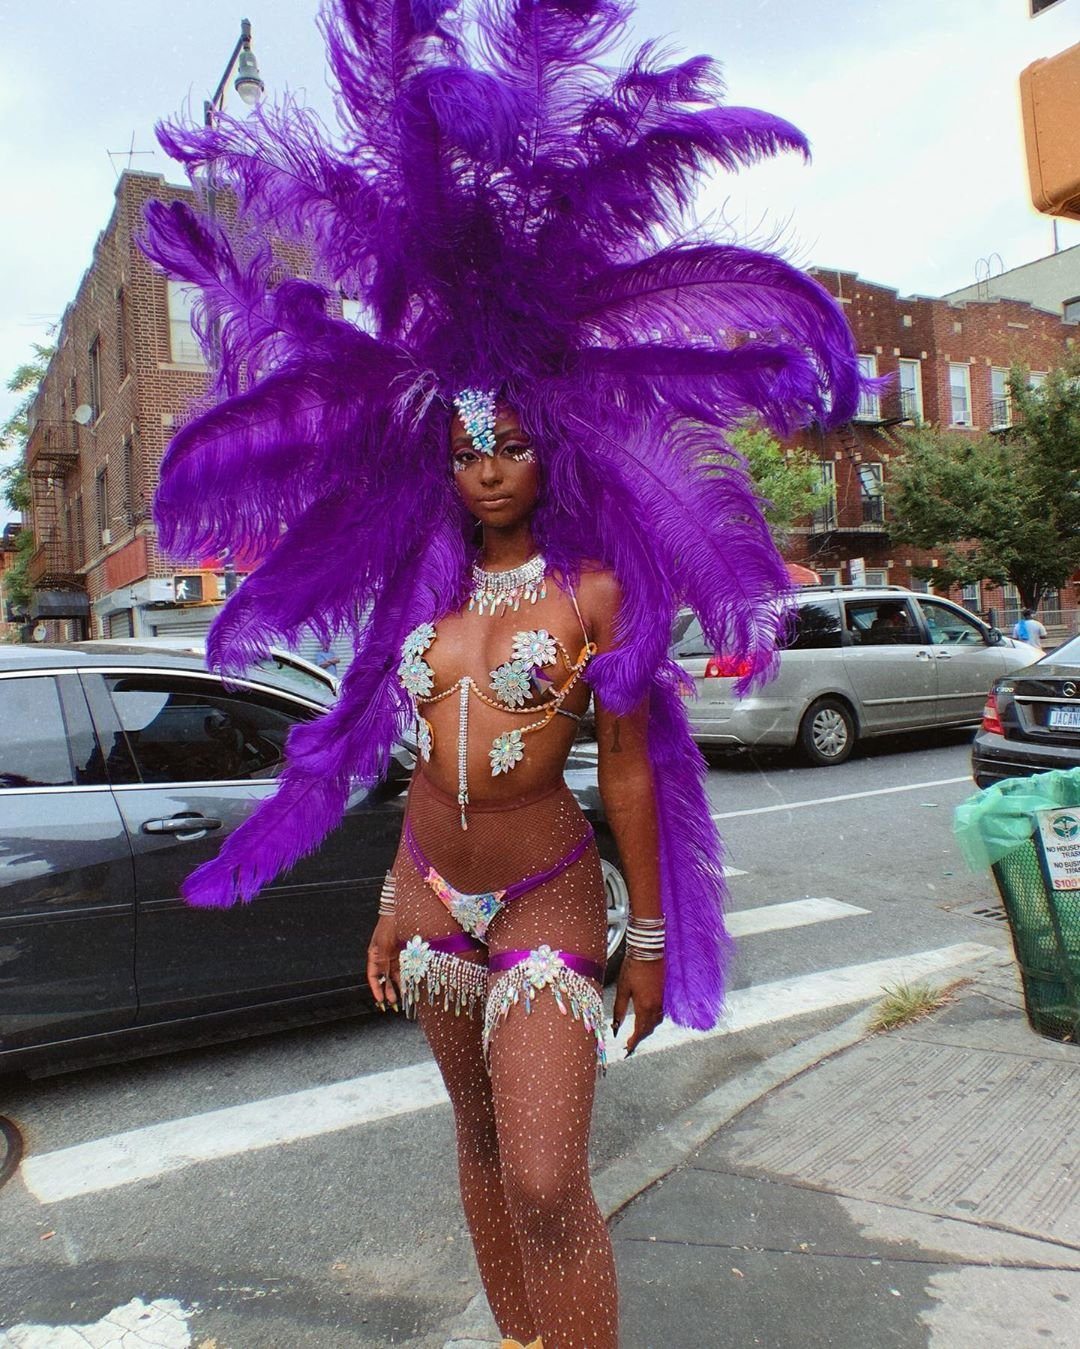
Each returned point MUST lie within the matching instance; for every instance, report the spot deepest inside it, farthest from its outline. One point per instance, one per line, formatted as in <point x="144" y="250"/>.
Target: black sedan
<point x="122" y="768"/>
<point x="1031" y="721"/>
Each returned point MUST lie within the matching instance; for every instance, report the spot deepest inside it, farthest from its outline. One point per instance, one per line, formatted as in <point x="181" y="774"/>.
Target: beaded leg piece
<point x="460" y="985"/>
<point x="544" y="968"/>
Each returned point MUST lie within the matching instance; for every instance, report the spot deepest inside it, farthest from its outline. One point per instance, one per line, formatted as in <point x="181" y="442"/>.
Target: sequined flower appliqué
<point x="424" y="738"/>
<point x="543" y="967"/>
<point x="417" y="642"/>
<point x="415" y="958"/>
<point x="506" y="751"/>
<point x="534" y="648"/>
<point x="512" y="683"/>
<point x="416" y="675"/>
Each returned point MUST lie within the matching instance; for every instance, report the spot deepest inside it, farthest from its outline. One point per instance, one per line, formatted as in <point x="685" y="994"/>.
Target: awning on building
<point x="59" y="604"/>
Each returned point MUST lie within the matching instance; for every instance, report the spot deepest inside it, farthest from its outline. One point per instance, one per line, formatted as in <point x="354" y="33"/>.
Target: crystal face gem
<point x="424" y="738"/>
<point x="476" y="408"/>
<point x="506" y="751"/>
<point x="512" y="683"/>
<point x="534" y="648"/>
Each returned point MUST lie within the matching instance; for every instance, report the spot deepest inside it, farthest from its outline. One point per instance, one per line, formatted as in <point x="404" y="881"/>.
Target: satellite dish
<point x="83" y="414"/>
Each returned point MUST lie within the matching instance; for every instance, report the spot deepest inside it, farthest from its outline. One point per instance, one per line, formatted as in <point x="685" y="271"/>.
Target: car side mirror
<point x="993" y="637"/>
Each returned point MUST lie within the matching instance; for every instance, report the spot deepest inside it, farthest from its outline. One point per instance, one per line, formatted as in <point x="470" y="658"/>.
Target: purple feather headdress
<point x="507" y="210"/>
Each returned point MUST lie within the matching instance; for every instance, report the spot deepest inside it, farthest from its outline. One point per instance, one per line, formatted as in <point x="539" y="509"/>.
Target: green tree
<point x="14" y="479"/>
<point x="788" y="480"/>
<point x="997" y="508"/>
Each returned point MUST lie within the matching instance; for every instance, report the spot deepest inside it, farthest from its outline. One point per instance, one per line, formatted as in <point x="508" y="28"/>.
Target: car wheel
<point x="827" y="733"/>
<point x="617" y="897"/>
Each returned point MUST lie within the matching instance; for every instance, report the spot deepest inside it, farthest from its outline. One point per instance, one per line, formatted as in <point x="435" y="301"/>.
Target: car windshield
<point x="1068" y="653"/>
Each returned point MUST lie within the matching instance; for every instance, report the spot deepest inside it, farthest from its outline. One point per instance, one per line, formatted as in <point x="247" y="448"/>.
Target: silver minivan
<point x="861" y="661"/>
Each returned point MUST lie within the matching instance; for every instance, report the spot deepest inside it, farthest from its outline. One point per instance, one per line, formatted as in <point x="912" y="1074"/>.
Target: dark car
<point x="122" y="768"/>
<point x="1031" y="721"/>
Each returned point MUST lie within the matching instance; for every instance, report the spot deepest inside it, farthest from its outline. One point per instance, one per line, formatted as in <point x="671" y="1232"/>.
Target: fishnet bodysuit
<point x="523" y="1120"/>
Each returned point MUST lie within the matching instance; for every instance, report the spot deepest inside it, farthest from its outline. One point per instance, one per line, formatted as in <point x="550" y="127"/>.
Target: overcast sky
<point x="911" y="108"/>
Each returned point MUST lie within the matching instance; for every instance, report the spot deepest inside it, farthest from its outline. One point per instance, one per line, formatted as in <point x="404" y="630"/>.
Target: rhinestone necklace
<point x="493" y="590"/>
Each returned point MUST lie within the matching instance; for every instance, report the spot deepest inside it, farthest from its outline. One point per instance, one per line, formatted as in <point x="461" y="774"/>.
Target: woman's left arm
<point x="627" y="791"/>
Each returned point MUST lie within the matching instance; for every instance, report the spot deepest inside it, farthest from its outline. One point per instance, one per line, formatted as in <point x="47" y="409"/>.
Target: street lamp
<point x="248" y="83"/>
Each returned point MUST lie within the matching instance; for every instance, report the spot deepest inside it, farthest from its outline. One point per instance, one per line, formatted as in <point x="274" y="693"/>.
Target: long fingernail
<point x="381" y="1006"/>
<point x="615" y="1027"/>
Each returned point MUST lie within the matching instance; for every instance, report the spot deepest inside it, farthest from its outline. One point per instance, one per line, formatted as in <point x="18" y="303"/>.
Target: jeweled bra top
<point x="519" y="685"/>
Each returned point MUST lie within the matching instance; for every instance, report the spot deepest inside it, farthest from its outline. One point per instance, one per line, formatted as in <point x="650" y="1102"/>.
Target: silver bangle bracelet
<point x="388" y="896"/>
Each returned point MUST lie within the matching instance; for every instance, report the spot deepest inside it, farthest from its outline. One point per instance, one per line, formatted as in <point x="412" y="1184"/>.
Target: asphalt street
<point x="298" y="1189"/>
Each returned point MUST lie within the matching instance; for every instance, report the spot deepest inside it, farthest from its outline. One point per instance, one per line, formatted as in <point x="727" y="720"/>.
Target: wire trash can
<point x="1027" y="831"/>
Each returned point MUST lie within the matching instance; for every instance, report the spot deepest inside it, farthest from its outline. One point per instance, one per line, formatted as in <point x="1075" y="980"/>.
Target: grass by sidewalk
<point x="905" y="1003"/>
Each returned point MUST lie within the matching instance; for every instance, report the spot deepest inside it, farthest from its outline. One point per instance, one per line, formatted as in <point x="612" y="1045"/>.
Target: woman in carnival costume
<point x="516" y="468"/>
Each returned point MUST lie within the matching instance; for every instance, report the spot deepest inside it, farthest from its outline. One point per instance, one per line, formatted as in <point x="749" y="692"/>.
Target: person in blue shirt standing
<point x="326" y="658"/>
<point x="1029" y="629"/>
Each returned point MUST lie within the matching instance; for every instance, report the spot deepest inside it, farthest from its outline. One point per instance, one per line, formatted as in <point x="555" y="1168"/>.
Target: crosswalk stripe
<point x="796" y="913"/>
<point x="763" y="1004"/>
<point x="172" y="1145"/>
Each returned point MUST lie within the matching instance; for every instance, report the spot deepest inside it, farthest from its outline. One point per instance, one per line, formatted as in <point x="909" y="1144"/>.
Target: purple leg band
<point x="506" y="960"/>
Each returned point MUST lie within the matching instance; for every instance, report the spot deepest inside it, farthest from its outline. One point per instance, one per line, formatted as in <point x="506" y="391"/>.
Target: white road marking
<point x="161" y="1324"/>
<point x="172" y="1145"/>
<point x="763" y="1004"/>
<point x="797" y="913"/>
<point x="156" y="1149"/>
<point x="847" y="796"/>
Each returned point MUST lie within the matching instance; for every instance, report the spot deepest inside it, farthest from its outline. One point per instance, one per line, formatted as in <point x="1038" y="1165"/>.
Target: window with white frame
<point x="869" y="409"/>
<point x="911" y="391"/>
<point x="1000" y="399"/>
<point x="877" y="576"/>
<point x="971" y="597"/>
<point x="1036" y="379"/>
<point x="960" y="395"/>
<point x="184" y="348"/>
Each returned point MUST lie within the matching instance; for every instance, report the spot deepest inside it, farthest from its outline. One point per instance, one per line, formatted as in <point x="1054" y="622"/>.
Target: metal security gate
<point x="122" y="624"/>
<point x="194" y="628"/>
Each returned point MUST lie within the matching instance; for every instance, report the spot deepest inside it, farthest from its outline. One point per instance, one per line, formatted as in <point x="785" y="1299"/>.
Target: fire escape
<point x="53" y="453"/>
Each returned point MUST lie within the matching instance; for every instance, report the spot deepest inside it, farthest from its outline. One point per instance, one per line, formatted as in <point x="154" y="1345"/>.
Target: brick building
<point x="949" y="362"/>
<point x="126" y="370"/>
<point x="128" y="366"/>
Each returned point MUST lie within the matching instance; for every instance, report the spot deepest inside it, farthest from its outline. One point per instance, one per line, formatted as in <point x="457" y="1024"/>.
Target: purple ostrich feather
<point x="507" y="203"/>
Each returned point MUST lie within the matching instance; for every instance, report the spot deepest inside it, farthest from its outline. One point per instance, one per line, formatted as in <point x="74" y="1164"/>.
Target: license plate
<point x="1067" y="718"/>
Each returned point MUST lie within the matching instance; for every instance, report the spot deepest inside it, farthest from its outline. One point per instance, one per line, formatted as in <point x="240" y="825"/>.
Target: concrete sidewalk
<point x="915" y="1188"/>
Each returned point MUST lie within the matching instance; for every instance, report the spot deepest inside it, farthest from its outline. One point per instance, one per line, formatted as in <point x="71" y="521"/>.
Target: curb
<point x="619" y="1183"/>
